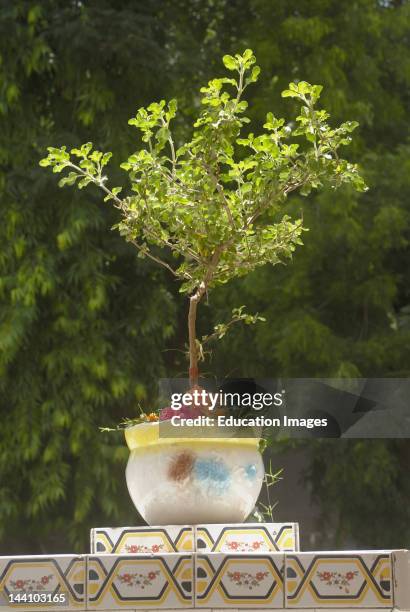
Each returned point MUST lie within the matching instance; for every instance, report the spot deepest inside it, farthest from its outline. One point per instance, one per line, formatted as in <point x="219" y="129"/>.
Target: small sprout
<point x="271" y="478"/>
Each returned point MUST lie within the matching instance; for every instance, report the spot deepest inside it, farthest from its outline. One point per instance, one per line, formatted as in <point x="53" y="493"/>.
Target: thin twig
<point x="159" y="261"/>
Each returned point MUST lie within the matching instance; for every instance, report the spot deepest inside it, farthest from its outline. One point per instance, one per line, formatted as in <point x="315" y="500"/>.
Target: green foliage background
<point x="84" y="323"/>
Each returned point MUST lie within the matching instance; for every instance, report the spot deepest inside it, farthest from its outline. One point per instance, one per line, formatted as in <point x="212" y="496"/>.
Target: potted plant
<point x="214" y="203"/>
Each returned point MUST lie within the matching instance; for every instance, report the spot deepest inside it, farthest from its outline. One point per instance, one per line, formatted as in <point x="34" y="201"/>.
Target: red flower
<point x="188" y="412"/>
<point x="236" y="575"/>
<point x="45" y="580"/>
<point x="349" y="575"/>
<point x="155" y="548"/>
<point x="233" y="545"/>
<point x="166" y="413"/>
<point x="326" y="575"/>
<point x="19" y="584"/>
<point x="260" y="576"/>
<point x="152" y="575"/>
<point x="256" y="545"/>
<point x="126" y="578"/>
<point x="133" y="548"/>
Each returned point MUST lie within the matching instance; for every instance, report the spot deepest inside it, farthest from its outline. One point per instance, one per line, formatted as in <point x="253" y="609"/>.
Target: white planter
<point x="191" y="481"/>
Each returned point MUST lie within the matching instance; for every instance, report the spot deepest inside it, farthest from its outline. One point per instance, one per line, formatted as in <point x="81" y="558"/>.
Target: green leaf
<point x="86" y="148"/>
<point x="230" y="62"/>
<point x="96" y="156"/>
<point x="106" y="158"/>
<point x="316" y="91"/>
<point x="304" y="87"/>
<point x="289" y="93"/>
<point x="69" y="180"/>
<point x="84" y="182"/>
<point x="255" y="73"/>
<point x="162" y="134"/>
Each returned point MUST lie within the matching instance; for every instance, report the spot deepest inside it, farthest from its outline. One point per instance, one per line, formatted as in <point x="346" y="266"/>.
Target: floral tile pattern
<point x="351" y="579"/>
<point x="365" y="580"/>
<point x="139" y="540"/>
<point x="247" y="537"/>
<point x="140" y="581"/>
<point x="59" y="574"/>
<point x="239" y="581"/>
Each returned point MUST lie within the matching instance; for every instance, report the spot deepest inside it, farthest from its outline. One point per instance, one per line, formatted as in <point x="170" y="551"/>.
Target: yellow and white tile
<point x="140" y="581"/>
<point x="43" y="575"/>
<point x="247" y="537"/>
<point x="140" y="540"/>
<point x="239" y="580"/>
<point x="339" y="580"/>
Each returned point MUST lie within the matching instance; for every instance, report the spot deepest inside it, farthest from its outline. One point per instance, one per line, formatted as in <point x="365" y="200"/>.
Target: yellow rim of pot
<point x="144" y="435"/>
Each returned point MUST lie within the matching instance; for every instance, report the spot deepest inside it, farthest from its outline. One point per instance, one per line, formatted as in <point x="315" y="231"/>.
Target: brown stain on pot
<point x="181" y="466"/>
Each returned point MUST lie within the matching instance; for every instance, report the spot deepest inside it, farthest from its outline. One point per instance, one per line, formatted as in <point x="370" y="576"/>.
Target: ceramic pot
<point x="192" y="480"/>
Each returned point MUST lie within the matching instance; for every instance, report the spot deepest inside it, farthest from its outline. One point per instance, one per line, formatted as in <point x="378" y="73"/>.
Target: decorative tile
<point x="138" y="540"/>
<point x="140" y="581"/>
<point x="239" y="581"/>
<point x="345" y="579"/>
<point x="59" y="574"/>
<point x="247" y="537"/>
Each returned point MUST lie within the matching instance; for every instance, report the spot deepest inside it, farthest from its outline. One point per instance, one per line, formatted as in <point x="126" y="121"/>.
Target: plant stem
<point x="193" y="304"/>
<point x="193" y="349"/>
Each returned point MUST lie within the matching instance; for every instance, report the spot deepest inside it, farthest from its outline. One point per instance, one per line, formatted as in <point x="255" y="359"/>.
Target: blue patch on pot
<point x="212" y="473"/>
<point x="251" y="471"/>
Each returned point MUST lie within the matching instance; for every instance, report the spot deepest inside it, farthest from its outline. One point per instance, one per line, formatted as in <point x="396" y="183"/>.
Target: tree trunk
<point x="193" y="349"/>
<point x="193" y="304"/>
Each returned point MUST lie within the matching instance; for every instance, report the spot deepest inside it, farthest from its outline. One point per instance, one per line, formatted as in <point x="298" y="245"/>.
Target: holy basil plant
<point x="215" y="201"/>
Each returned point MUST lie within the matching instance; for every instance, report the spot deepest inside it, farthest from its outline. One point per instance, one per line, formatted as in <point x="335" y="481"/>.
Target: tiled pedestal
<point x="356" y="579"/>
<point x="143" y="540"/>
<point x="209" y="567"/>
<point x="239" y="580"/>
<point x="136" y="581"/>
<point x="65" y="574"/>
<point x="246" y="537"/>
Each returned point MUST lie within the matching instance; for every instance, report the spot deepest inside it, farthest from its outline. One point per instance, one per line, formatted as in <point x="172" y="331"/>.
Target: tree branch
<point x="159" y="260"/>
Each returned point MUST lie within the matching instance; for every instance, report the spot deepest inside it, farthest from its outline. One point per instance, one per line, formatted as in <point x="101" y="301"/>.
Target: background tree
<point x="76" y="353"/>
